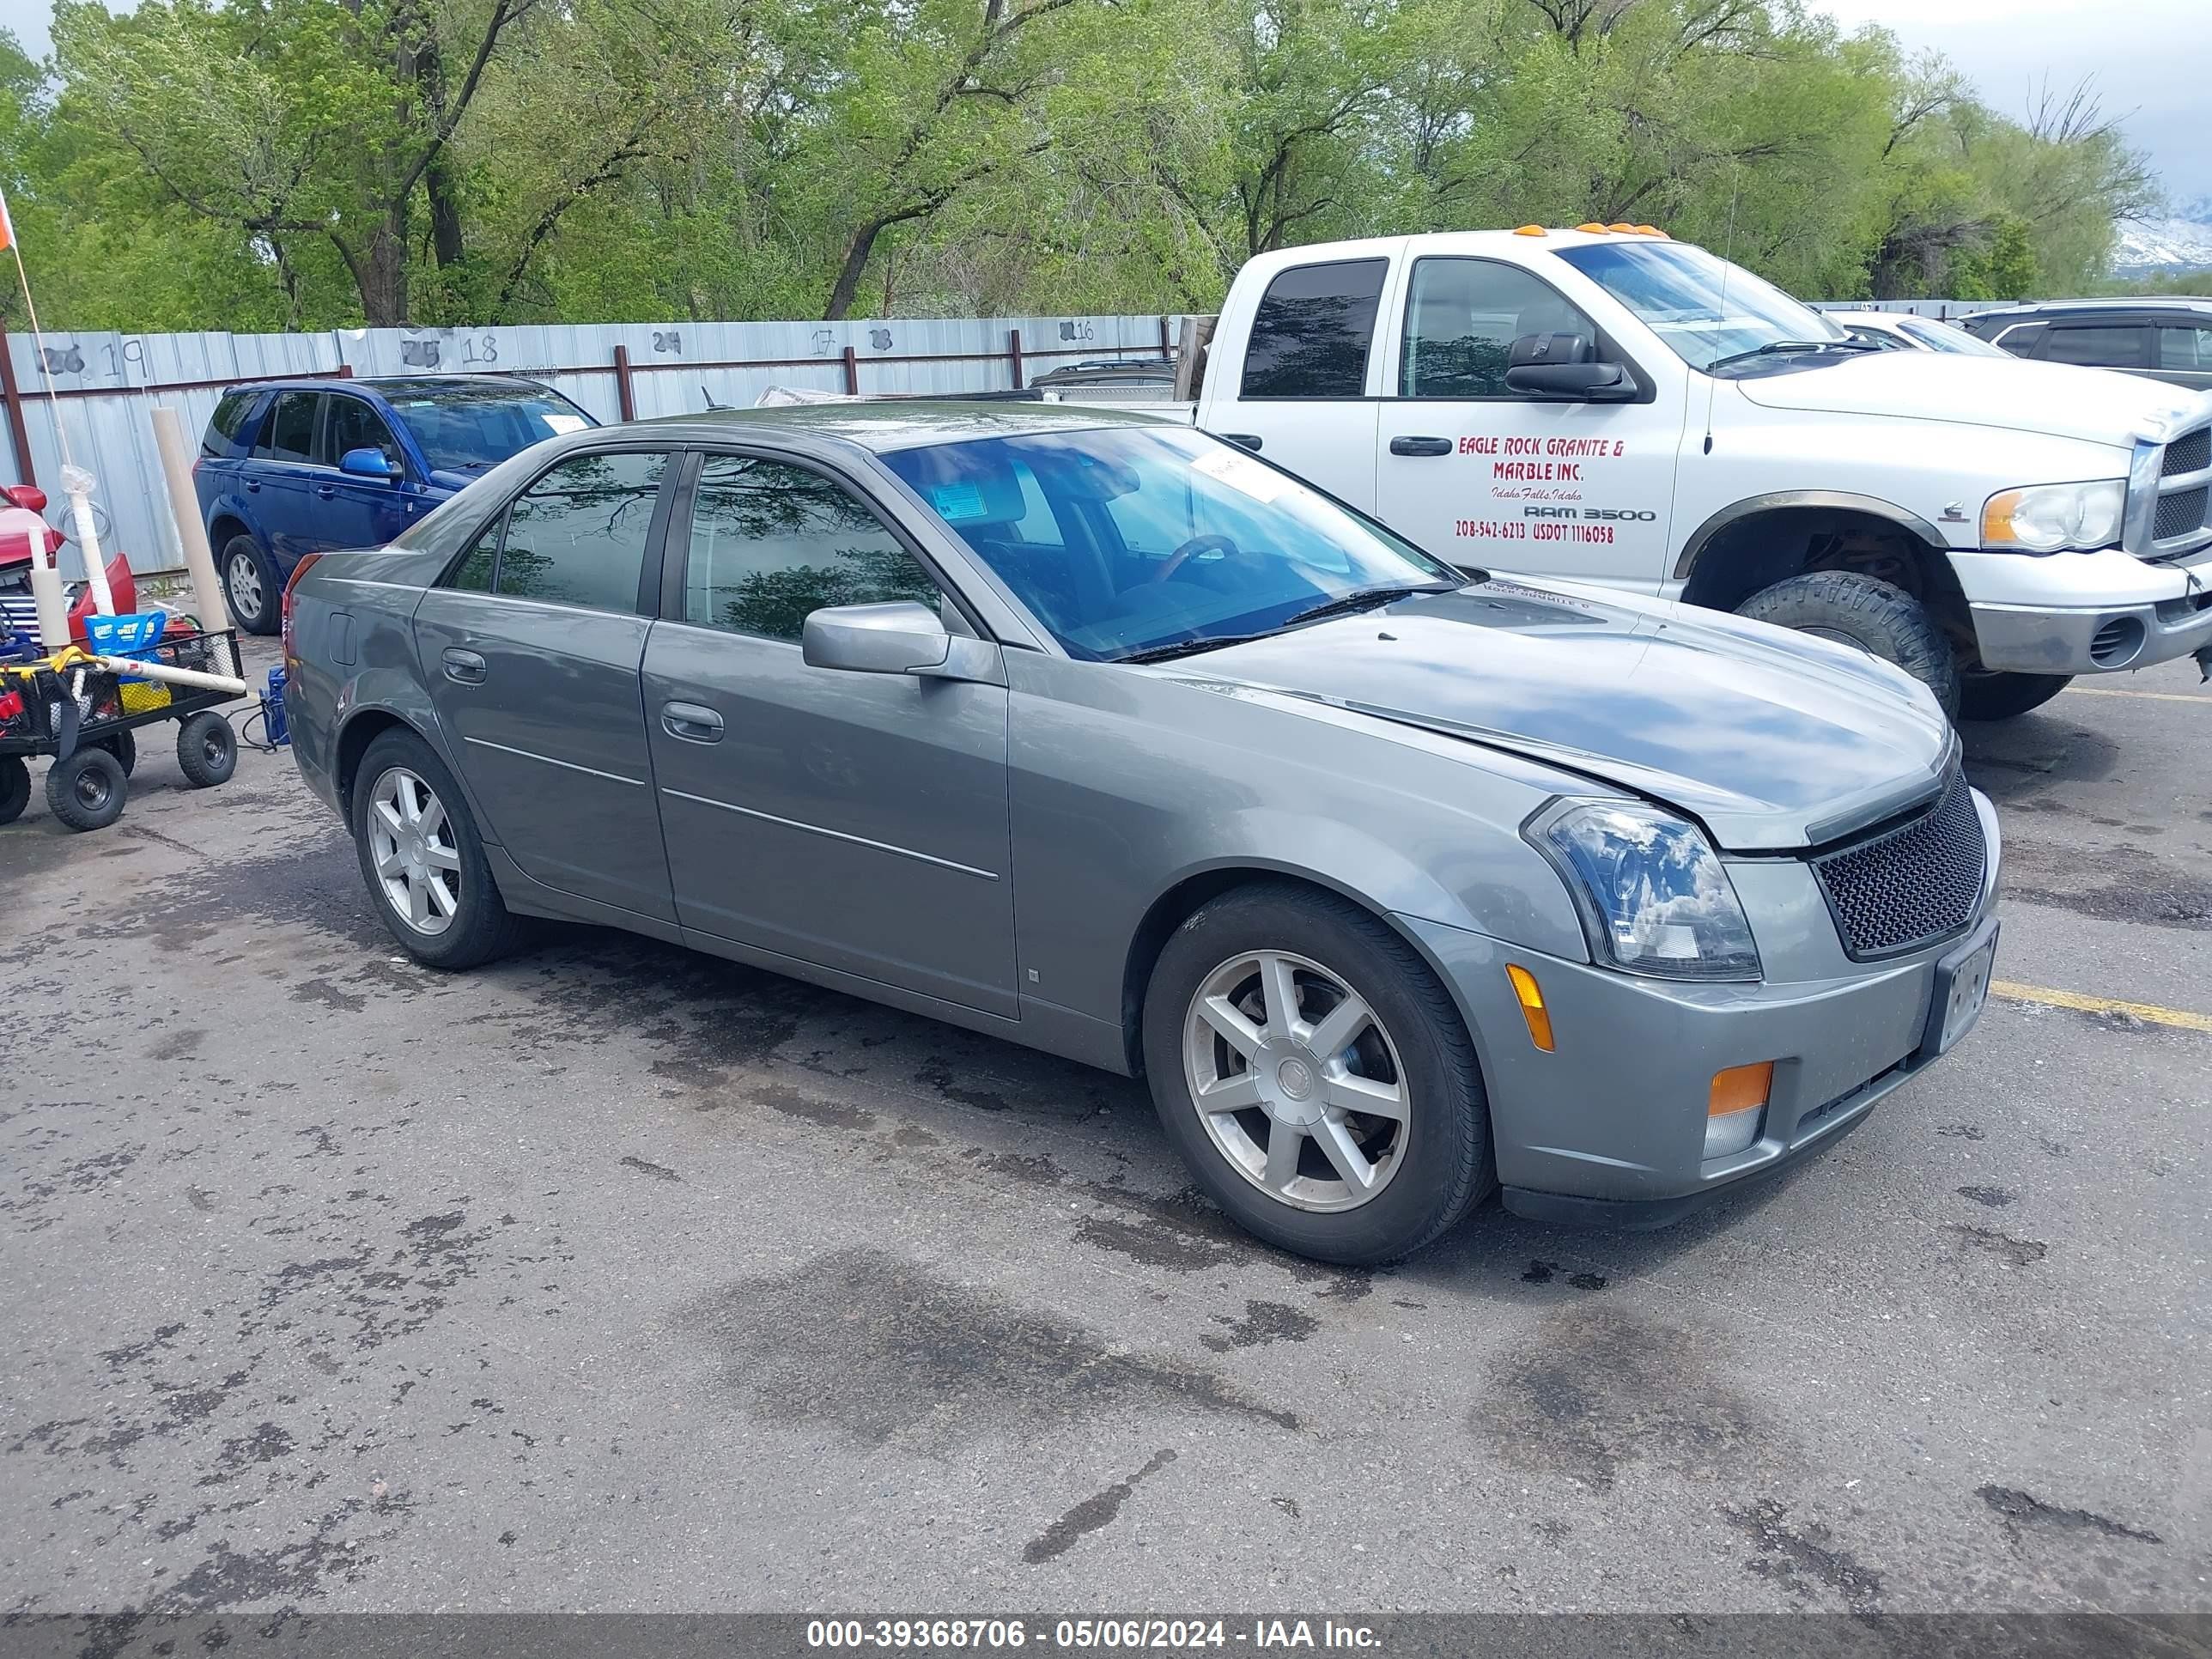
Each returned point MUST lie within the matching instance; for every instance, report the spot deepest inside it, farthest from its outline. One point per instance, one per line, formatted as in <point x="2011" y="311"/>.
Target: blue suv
<point x="292" y="467"/>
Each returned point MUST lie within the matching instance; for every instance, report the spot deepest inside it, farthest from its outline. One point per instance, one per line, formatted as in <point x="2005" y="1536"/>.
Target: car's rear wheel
<point x="1315" y="1077"/>
<point x="1987" y="696"/>
<point x="423" y="858"/>
<point x="1875" y="616"/>
<point x="251" y="586"/>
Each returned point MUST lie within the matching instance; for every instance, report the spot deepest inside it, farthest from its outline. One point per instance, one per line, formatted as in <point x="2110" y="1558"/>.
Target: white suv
<point x="1607" y="404"/>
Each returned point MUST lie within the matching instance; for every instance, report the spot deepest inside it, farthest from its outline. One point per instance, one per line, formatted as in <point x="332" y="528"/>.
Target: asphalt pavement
<point x="618" y="1277"/>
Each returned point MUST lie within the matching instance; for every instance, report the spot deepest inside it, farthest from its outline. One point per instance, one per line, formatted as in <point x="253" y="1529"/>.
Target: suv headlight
<point x="1654" y="897"/>
<point x="2057" y="518"/>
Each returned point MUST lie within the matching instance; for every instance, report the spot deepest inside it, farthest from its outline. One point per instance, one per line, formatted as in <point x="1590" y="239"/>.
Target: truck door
<point x="1302" y="399"/>
<point x="1479" y="474"/>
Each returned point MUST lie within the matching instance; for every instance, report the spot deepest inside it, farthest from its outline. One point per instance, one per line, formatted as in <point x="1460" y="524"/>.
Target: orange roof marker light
<point x="1652" y="230"/>
<point x="1530" y="230"/>
<point x="1593" y="228"/>
<point x="1630" y="229"/>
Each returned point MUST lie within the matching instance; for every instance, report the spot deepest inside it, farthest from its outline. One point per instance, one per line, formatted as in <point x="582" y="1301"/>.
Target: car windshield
<point x="473" y="428"/>
<point x="1130" y="541"/>
<point x="1704" y="309"/>
<point x="1943" y="337"/>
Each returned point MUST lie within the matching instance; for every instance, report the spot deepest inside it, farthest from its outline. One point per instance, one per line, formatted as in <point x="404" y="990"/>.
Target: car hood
<point x="1774" y="740"/>
<point x="2100" y="406"/>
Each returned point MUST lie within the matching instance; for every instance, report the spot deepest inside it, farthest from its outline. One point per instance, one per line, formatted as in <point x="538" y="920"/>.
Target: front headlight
<point x="1654" y="897"/>
<point x="2057" y="518"/>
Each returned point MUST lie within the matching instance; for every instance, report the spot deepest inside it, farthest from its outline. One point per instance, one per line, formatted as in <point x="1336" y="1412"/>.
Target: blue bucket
<point x="126" y="636"/>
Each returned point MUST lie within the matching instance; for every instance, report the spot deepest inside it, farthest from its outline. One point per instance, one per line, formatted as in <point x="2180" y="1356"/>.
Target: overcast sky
<point x="2151" y="58"/>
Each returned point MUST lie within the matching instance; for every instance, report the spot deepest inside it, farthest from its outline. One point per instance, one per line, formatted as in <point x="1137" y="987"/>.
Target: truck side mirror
<point x="1563" y="367"/>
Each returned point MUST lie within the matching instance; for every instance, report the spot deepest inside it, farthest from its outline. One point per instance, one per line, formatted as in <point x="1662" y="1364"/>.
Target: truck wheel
<point x="86" y="791"/>
<point x="207" y="750"/>
<point x="123" y="747"/>
<point x="1876" y="617"/>
<point x="2001" y="697"/>
<point x="15" y="787"/>
<point x="251" y="585"/>
<point x="1315" y="1077"/>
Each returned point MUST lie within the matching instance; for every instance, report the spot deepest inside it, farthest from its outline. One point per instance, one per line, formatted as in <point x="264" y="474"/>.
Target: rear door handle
<point x="326" y="491"/>
<point x="464" y="666"/>
<point x="252" y="487"/>
<point x="690" y="722"/>
<point x="1245" y="441"/>
<point x="1420" y="445"/>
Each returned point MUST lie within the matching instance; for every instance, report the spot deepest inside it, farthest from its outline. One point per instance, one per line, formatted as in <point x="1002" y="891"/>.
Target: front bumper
<point x="2150" y="613"/>
<point x="1610" y="1125"/>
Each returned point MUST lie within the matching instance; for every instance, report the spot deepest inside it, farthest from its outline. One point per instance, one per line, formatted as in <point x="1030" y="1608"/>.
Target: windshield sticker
<point x="956" y="502"/>
<point x="1241" y="472"/>
<point x="563" y="424"/>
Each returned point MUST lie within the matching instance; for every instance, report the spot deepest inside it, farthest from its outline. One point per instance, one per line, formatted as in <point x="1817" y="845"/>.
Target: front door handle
<point x="463" y="666"/>
<point x="326" y="491"/>
<point x="690" y="722"/>
<point x="1245" y="441"/>
<point x="1420" y="445"/>
<point x="252" y="487"/>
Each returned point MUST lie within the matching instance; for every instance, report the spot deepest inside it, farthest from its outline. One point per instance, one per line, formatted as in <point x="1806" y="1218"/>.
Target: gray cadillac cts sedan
<point x="1395" y="881"/>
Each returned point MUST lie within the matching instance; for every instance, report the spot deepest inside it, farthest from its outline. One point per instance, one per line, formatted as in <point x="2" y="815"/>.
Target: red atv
<point x="21" y="518"/>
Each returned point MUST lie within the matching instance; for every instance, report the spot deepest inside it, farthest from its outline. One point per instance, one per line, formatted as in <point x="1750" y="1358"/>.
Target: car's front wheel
<point x="1315" y="1076"/>
<point x="250" y="585"/>
<point x="1986" y="696"/>
<point x="423" y="858"/>
<point x="1877" y="617"/>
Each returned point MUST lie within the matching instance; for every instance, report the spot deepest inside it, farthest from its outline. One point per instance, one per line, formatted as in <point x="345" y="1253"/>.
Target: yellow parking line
<point x="2074" y="999"/>
<point x="2148" y="697"/>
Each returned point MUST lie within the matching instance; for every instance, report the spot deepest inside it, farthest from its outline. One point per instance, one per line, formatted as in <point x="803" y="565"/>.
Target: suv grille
<point x="2190" y="453"/>
<point x="1911" y="884"/>
<point x="2178" y="514"/>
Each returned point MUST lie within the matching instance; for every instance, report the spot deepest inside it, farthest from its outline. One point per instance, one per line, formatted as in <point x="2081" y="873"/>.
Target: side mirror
<point x="368" y="464"/>
<point x="1564" y="367"/>
<point x="900" y="637"/>
<point x="29" y="497"/>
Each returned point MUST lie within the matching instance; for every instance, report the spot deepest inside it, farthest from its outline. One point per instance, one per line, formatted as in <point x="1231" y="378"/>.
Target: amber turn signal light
<point x="1740" y="1088"/>
<point x="1531" y="998"/>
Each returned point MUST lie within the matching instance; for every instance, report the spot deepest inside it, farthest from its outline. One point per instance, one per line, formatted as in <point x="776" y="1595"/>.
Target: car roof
<point x="893" y="424"/>
<point x="390" y="385"/>
<point x="2068" y="307"/>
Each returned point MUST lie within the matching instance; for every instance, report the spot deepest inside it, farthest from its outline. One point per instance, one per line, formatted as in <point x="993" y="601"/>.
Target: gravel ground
<point x="616" y="1277"/>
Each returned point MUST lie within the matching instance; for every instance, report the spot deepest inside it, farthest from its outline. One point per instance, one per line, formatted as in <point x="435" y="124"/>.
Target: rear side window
<point x="220" y="438"/>
<point x="1312" y="332"/>
<point x="578" y="535"/>
<point x="2022" y="339"/>
<point x="771" y="543"/>
<point x="2099" y="345"/>
<point x="1463" y="319"/>
<point x="289" y="433"/>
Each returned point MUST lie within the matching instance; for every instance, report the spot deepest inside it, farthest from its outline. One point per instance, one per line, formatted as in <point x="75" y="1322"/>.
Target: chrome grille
<point x="2190" y="453"/>
<point x="2178" y="514"/>
<point x="1909" y="885"/>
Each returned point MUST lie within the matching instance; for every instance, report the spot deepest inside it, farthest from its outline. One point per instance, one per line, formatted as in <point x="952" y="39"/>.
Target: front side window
<point x="1174" y="539"/>
<point x="1702" y="308"/>
<point x="578" y="535"/>
<point x="2185" y="347"/>
<point x="2022" y="339"/>
<point x="355" y="425"/>
<point x="288" y="432"/>
<point x="464" y="428"/>
<point x="1462" y="320"/>
<point x="771" y="543"/>
<point x="2097" y="345"/>
<point x="1312" y="332"/>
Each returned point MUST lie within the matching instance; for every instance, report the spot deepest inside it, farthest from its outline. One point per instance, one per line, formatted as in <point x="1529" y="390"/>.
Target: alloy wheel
<point x="416" y="858"/>
<point x="1297" y="1081"/>
<point x="244" y="579"/>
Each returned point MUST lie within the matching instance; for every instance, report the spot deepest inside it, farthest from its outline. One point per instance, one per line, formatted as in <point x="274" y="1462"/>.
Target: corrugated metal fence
<point x="104" y="385"/>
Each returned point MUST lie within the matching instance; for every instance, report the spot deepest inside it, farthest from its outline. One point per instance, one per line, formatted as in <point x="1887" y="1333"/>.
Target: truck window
<point x="2099" y="345"/>
<point x="2181" y="346"/>
<point x="1462" y="320"/>
<point x="1312" y="331"/>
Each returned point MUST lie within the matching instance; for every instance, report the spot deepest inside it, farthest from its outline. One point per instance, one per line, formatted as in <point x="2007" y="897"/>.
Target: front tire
<point x="423" y="859"/>
<point x="1877" y="617"/>
<point x="88" y="790"/>
<point x="2002" y="696"/>
<point x="251" y="585"/>
<point x="1315" y="1077"/>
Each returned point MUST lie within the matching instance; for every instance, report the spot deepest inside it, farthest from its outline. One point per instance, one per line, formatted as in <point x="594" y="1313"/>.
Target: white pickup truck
<point x="1612" y="406"/>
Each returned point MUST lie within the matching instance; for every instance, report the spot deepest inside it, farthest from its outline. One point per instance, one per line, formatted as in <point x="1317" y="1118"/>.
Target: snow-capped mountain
<point x="2180" y="242"/>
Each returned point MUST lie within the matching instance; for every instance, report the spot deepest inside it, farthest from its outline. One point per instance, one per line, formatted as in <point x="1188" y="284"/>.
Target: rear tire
<point x="207" y="750"/>
<point x="1425" y="1167"/>
<point x="1875" y="616"/>
<point x="251" y="585"/>
<point x="15" y="787"/>
<point x="88" y="790"/>
<point x="2002" y="696"/>
<point x="413" y="832"/>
